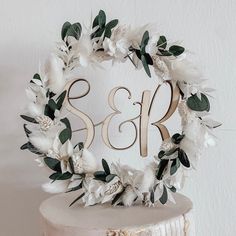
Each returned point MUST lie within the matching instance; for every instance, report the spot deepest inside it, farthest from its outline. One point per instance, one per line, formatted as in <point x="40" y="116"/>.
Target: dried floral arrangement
<point x="74" y="167"/>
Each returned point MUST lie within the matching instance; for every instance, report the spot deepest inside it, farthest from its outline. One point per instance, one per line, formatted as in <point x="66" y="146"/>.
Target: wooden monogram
<point x="141" y="131"/>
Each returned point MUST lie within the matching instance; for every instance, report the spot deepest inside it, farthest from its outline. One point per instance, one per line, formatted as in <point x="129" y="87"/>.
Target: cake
<point x="103" y="220"/>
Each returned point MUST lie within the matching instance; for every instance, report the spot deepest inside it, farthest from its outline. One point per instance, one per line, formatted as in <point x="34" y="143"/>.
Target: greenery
<point x="197" y="104"/>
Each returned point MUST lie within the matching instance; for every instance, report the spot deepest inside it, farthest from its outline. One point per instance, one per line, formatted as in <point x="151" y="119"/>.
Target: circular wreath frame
<point x="74" y="168"/>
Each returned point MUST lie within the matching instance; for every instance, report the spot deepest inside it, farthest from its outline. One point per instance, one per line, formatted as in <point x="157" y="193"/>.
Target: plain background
<point x="28" y="31"/>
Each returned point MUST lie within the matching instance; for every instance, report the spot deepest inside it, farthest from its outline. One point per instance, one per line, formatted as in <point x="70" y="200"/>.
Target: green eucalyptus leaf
<point x="74" y="30"/>
<point x="60" y="176"/>
<point x="174" y="166"/>
<point x="117" y="197"/>
<point x="161" y="168"/>
<point x="183" y="158"/>
<point x="161" y="154"/>
<point x="163" y="199"/>
<point x="65" y="135"/>
<point x="53" y="164"/>
<point x="145" y="65"/>
<point x="107" y="33"/>
<point x="165" y="52"/>
<point x="95" y="22"/>
<point x="110" y="177"/>
<point x="27" y="131"/>
<point x="196" y="104"/>
<point x="77" y="199"/>
<point x="177" y="138"/>
<point x="100" y="175"/>
<point x="60" y="99"/>
<point x="64" y="29"/>
<point x="176" y="50"/>
<point x="29" y="119"/>
<point x="106" y="167"/>
<point x="31" y="148"/>
<point x="172" y="189"/>
<point x="112" y="24"/>
<point x="37" y="76"/>
<point x="66" y="122"/>
<point x="101" y="19"/>
<point x="48" y="111"/>
<point x="148" y="59"/>
<point x="152" y="196"/>
<point x="145" y="39"/>
<point x="52" y="104"/>
<point x="162" y="42"/>
<point x="75" y="188"/>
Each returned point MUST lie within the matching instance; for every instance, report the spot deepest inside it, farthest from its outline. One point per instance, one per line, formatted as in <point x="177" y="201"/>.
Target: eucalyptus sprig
<point x="102" y="27"/>
<point x="174" y="50"/>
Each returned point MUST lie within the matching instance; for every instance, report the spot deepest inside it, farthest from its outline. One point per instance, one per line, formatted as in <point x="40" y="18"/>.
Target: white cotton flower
<point x="41" y="141"/>
<point x="84" y="162"/>
<point x="54" y="74"/>
<point x="128" y="196"/>
<point x="58" y="186"/>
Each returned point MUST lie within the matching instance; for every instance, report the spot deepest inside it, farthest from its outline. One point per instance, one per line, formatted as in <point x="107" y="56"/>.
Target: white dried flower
<point x="45" y="122"/>
<point x="84" y="161"/>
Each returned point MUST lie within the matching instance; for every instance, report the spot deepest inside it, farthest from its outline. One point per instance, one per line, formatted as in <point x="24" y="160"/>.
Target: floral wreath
<point x="74" y="167"/>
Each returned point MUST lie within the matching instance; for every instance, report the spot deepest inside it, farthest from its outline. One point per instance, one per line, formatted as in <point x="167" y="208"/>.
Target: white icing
<point x="171" y="220"/>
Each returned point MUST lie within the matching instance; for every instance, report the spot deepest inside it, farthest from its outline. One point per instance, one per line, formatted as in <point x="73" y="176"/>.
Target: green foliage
<point x="182" y="156"/>
<point x="53" y="164"/>
<point x="27" y="131"/>
<point x="196" y="104"/>
<point x="66" y="122"/>
<point x="162" y="42"/>
<point x="61" y="99"/>
<point x="173" y="50"/>
<point x="65" y="135"/>
<point x="145" y="58"/>
<point x="60" y="176"/>
<point x="29" y="119"/>
<point x="177" y="138"/>
<point x="73" y="30"/>
<point x="77" y="199"/>
<point x="100" y="22"/>
<point x="31" y="148"/>
<point x="162" y="166"/>
<point x="174" y="166"/>
<point x="163" y="199"/>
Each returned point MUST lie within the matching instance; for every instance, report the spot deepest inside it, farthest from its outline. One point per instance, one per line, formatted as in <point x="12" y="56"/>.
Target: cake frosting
<point x="58" y="219"/>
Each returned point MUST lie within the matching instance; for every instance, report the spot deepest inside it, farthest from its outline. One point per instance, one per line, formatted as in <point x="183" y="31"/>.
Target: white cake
<point x="58" y="219"/>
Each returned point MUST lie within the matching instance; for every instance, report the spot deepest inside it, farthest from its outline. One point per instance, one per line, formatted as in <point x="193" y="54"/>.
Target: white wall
<point x="28" y="29"/>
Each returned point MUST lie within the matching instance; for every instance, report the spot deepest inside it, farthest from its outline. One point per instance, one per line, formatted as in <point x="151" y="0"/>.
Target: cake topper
<point x="73" y="166"/>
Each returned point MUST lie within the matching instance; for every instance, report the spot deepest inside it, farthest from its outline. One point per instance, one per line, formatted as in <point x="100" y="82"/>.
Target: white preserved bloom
<point x="84" y="161"/>
<point x="45" y="122"/>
